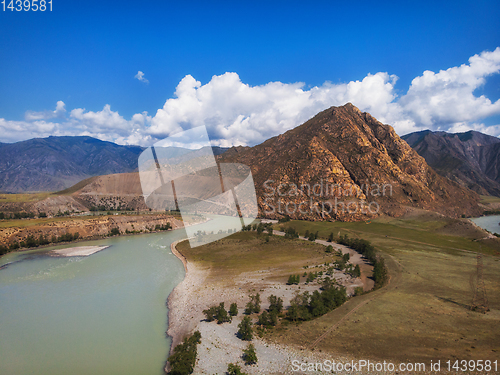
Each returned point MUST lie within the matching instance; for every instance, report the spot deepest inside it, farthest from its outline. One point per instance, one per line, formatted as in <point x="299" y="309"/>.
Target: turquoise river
<point x="102" y="314"/>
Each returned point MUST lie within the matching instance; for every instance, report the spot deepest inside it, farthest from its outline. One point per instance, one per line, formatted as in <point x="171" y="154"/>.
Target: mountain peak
<point x="344" y="146"/>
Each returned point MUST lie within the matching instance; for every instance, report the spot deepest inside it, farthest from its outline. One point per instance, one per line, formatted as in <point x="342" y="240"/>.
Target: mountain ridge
<point x="471" y="159"/>
<point x="56" y="163"/>
<point x="345" y="146"/>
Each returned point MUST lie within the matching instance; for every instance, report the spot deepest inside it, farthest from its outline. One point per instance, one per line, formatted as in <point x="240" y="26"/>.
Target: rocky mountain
<point x="472" y="159"/>
<point x="55" y="163"/>
<point x="343" y="164"/>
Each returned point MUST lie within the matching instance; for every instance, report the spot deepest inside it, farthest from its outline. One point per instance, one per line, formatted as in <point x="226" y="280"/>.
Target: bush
<point x="330" y="237"/>
<point x="233" y="309"/>
<point x="249" y="355"/>
<point x="184" y="358"/>
<point x="245" y="331"/>
<point x="253" y="306"/>
<point x="306" y="306"/>
<point x="218" y="313"/>
<point x="291" y="233"/>
<point x="221" y="315"/>
<point x="293" y="280"/>
<point x="275" y="303"/>
<point x="233" y="369"/>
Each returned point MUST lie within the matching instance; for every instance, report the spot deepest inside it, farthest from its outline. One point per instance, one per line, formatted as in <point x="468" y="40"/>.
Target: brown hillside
<point x="351" y="158"/>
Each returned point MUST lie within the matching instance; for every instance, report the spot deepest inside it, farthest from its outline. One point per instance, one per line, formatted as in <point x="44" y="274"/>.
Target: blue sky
<point x="287" y="59"/>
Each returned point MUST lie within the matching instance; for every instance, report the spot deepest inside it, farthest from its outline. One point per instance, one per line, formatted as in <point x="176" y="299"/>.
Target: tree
<point x="307" y="234"/>
<point x="210" y="313"/>
<point x="249" y="308"/>
<point x="270" y="230"/>
<point x="329" y="249"/>
<point x="245" y="331"/>
<point x="357" y="271"/>
<point x="249" y="355"/>
<point x="221" y="314"/>
<point x="233" y="369"/>
<point x="273" y="318"/>
<point x="330" y="237"/>
<point x="183" y="359"/>
<point x="293" y="279"/>
<point x="264" y="318"/>
<point x="233" y="309"/>
<point x="254" y="305"/>
<point x="275" y="303"/>
<point x="293" y="312"/>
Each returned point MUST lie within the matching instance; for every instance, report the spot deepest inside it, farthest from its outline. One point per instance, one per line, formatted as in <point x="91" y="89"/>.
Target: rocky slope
<point x="343" y="164"/>
<point x="472" y="159"/>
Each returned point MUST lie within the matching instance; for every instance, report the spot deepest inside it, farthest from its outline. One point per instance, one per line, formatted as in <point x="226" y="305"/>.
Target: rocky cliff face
<point x="471" y="159"/>
<point x="343" y="164"/>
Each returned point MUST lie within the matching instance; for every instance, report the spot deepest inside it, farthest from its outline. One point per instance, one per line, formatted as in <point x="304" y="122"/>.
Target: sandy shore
<point x="80" y="251"/>
<point x="220" y="345"/>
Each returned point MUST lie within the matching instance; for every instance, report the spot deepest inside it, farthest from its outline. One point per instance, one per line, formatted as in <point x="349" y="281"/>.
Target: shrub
<point x="245" y="331"/>
<point x="233" y="309"/>
<point x="183" y="359"/>
<point x="233" y="369"/>
<point x="249" y="355"/>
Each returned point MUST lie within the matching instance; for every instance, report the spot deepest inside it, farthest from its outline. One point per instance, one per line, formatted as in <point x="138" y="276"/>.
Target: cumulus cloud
<point x="446" y="100"/>
<point x="59" y="112"/>
<point x="236" y="113"/>
<point x="140" y="77"/>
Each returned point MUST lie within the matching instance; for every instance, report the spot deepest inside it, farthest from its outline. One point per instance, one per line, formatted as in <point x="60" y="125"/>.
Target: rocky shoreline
<point x="219" y="344"/>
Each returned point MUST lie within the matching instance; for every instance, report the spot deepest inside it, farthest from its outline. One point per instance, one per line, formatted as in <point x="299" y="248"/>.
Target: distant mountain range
<point x="56" y="163"/>
<point x="345" y="147"/>
<point x="472" y="159"/>
<point x="340" y="146"/>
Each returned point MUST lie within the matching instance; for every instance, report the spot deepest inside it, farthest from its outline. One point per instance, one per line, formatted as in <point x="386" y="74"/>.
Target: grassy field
<point x="22" y="198"/>
<point x="486" y="199"/>
<point x="430" y="232"/>
<point x="249" y="252"/>
<point x="423" y="313"/>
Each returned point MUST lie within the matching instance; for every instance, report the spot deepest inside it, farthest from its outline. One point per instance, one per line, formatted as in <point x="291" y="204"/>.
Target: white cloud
<point x="446" y="99"/>
<point x="236" y="113"/>
<point x="140" y="77"/>
<point x="59" y="112"/>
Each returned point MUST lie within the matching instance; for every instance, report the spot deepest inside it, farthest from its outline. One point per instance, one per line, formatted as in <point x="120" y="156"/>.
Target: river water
<point x="488" y="222"/>
<point x="101" y="314"/>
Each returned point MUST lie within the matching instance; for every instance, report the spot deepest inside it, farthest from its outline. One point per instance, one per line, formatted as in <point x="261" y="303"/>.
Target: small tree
<point x="330" y="237"/>
<point x="357" y="271"/>
<point x="210" y="313"/>
<point x="270" y="230"/>
<point x="264" y="318"/>
<point x="273" y="318"/>
<point x="249" y="355"/>
<point x="275" y="303"/>
<point x="221" y="314"/>
<point x="329" y="249"/>
<point x="245" y="331"/>
<point x="233" y="369"/>
<point x="233" y="309"/>
<point x="249" y="308"/>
